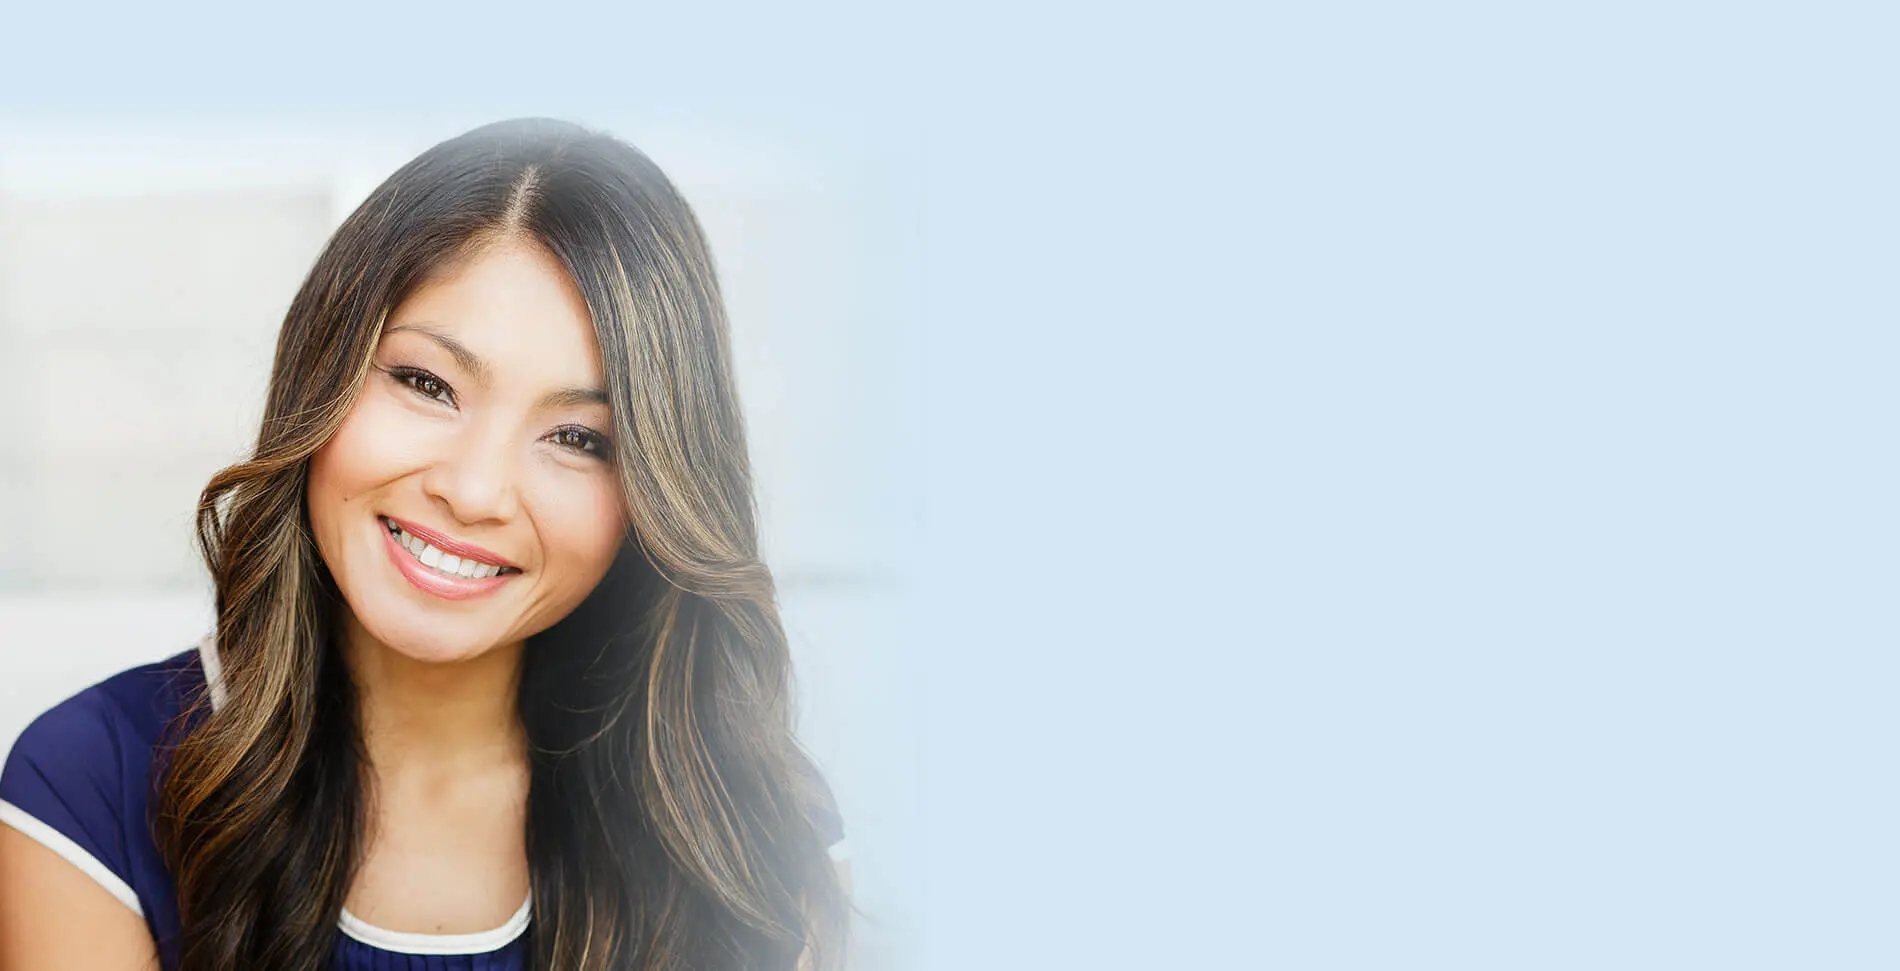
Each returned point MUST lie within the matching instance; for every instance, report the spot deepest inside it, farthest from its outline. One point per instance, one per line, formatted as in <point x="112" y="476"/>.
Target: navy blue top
<point x="79" y="781"/>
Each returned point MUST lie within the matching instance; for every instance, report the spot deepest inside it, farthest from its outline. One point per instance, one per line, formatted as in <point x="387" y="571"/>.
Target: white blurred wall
<point x="137" y="337"/>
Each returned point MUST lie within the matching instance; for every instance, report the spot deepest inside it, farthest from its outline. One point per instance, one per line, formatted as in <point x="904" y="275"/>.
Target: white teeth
<point x="435" y="559"/>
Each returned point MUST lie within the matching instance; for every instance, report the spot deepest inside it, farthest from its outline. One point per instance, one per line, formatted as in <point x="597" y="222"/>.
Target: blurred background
<point x="143" y="277"/>
<point x="1397" y="486"/>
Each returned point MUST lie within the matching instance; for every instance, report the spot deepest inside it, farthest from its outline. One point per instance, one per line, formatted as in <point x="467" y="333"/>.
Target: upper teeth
<point x="439" y="561"/>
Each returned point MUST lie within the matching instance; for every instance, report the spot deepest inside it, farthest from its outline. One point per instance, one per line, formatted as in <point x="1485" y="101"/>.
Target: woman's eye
<point x="425" y="384"/>
<point x="580" y="440"/>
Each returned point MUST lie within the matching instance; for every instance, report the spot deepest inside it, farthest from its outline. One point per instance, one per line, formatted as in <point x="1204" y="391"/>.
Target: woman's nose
<point x="475" y="481"/>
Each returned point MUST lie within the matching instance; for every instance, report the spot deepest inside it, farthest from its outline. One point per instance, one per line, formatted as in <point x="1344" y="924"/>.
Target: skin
<point x="490" y="446"/>
<point x="55" y="918"/>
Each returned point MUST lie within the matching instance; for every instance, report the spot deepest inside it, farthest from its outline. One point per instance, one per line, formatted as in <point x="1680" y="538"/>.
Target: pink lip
<point x="440" y="584"/>
<point x="467" y="551"/>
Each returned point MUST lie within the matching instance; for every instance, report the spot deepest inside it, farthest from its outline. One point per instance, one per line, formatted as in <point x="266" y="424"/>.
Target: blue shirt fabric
<point x="79" y="780"/>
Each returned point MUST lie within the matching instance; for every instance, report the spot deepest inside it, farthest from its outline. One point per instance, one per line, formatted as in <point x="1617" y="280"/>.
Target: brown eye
<point x="424" y="384"/>
<point x="580" y="440"/>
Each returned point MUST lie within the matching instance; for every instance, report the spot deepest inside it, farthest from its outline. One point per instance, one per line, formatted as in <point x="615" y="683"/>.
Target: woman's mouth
<point x="434" y="571"/>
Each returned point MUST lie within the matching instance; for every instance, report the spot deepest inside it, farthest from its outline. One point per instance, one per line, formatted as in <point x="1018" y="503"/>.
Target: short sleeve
<point x="64" y="786"/>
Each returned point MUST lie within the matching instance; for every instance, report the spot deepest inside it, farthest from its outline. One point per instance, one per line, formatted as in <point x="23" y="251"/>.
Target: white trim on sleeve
<point x="71" y="852"/>
<point x="214" y="674"/>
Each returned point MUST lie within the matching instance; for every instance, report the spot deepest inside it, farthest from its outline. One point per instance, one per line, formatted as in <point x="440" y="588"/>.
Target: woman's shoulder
<point x="78" y="778"/>
<point x="132" y="706"/>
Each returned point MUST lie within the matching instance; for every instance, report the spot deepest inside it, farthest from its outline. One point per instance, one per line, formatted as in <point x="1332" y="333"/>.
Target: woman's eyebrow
<point x="472" y="363"/>
<point x="571" y="397"/>
<point x="467" y="359"/>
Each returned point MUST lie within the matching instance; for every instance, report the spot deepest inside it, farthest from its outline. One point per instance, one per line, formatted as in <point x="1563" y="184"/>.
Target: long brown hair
<point x="673" y="821"/>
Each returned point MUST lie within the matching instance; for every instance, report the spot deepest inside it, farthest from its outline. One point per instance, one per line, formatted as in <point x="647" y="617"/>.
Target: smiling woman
<point x="474" y="446"/>
<point x="498" y="679"/>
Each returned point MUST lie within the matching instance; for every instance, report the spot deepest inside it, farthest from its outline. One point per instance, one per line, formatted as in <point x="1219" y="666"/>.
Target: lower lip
<point x="439" y="584"/>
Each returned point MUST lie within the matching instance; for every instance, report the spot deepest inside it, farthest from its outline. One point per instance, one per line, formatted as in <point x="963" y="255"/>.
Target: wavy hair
<point x="673" y="821"/>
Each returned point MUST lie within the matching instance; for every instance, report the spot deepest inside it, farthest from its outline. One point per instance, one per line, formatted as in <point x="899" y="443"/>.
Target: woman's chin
<point x="439" y="653"/>
<point x="429" y="644"/>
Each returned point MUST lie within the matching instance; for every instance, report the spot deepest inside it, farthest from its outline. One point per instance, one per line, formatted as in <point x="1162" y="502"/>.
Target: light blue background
<point x="1395" y="486"/>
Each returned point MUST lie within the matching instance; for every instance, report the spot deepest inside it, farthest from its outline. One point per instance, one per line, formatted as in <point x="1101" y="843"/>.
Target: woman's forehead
<point x="511" y="311"/>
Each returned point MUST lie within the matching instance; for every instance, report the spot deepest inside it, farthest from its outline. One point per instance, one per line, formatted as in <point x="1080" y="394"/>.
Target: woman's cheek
<point x="586" y="528"/>
<point x="376" y="444"/>
<point x="608" y="525"/>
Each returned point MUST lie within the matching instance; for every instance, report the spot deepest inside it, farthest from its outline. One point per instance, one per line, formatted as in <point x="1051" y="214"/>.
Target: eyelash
<point x="592" y="442"/>
<point x="589" y="437"/>
<point x="412" y="379"/>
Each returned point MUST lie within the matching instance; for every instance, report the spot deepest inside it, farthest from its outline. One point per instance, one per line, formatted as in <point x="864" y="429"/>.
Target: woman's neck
<point x="432" y="717"/>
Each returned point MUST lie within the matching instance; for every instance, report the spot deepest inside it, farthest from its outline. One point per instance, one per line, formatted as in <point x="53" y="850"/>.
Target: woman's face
<point x="470" y="501"/>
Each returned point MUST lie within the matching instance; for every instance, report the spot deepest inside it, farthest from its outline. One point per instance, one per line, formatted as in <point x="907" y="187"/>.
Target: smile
<point x="460" y="575"/>
<point x="447" y="564"/>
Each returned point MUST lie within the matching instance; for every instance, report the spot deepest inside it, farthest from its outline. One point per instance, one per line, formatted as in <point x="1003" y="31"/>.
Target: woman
<point x="498" y="679"/>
